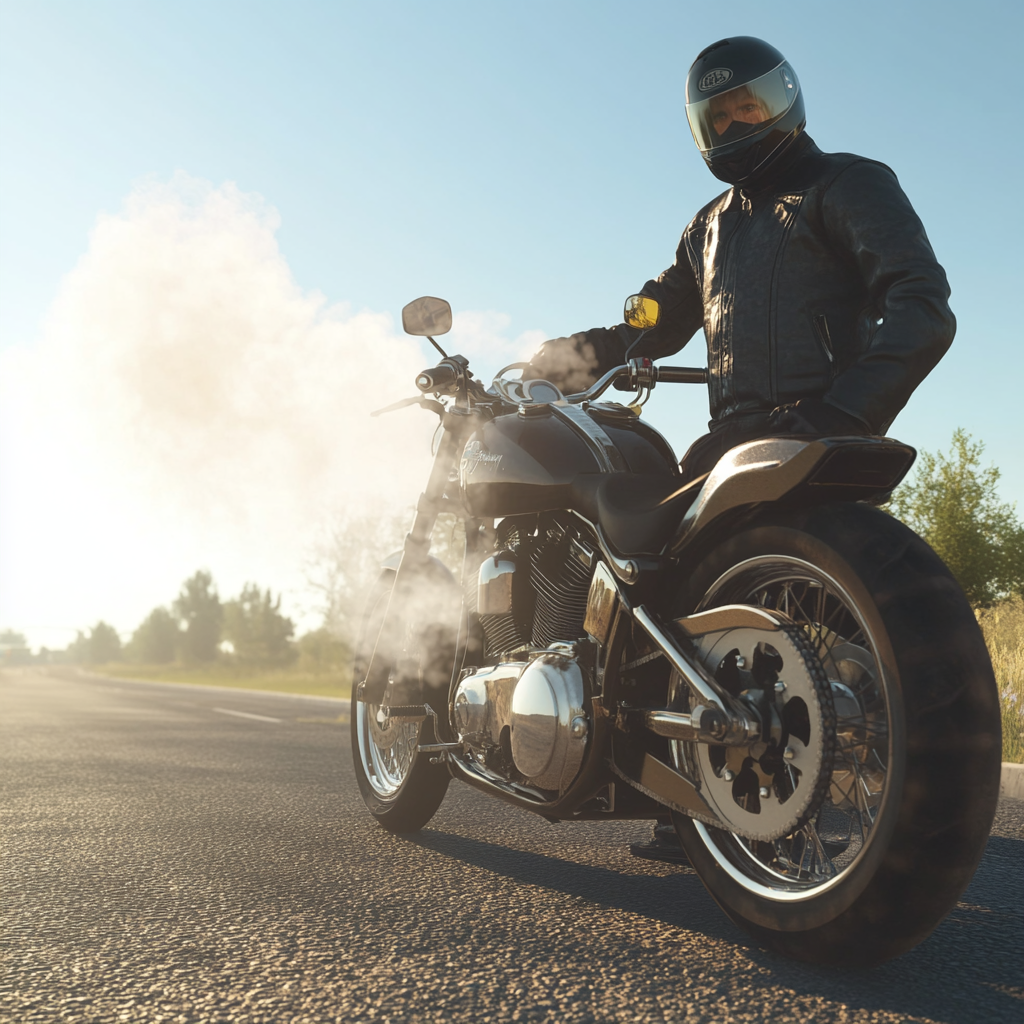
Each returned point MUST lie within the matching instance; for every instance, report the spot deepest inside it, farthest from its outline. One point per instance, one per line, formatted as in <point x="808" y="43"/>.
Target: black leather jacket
<point x="822" y="284"/>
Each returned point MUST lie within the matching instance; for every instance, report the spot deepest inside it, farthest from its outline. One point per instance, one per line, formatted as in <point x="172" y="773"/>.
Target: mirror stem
<point x="438" y="347"/>
<point x="640" y="337"/>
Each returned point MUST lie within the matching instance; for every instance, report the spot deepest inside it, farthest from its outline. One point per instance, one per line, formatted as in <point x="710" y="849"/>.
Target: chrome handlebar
<point x="599" y="387"/>
<point x="641" y="372"/>
<point x="643" y="375"/>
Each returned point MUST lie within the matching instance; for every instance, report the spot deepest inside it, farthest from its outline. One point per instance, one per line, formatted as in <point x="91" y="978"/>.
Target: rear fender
<point x="794" y="471"/>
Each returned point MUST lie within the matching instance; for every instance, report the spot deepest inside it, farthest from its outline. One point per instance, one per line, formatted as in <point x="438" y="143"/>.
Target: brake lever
<point x="426" y="403"/>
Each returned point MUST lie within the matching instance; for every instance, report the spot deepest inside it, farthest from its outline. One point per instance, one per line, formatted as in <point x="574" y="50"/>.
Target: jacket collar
<point x="780" y="173"/>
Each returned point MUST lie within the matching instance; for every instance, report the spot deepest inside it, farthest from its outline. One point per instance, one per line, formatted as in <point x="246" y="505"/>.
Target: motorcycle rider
<point x="822" y="303"/>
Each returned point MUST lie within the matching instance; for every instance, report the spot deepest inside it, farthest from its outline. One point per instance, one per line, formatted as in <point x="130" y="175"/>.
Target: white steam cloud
<point x="189" y="404"/>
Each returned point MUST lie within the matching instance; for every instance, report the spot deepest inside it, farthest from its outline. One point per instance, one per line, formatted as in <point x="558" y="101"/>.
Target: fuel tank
<point x="527" y="461"/>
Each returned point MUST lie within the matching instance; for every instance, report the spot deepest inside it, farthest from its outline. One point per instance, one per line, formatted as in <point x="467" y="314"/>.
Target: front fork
<point x="416" y="549"/>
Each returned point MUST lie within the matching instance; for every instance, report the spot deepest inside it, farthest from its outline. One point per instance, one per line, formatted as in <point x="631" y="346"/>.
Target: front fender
<point x="438" y="567"/>
<point x="427" y="599"/>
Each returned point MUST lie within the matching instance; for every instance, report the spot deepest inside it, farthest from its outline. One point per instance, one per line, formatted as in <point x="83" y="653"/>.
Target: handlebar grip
<point x="439" y="378"/>
<point x="682" y="375"/>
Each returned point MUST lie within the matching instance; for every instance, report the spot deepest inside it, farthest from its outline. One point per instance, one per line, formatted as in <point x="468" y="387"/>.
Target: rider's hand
<point x="568" y="363"/>
<point x="814" y="416"/>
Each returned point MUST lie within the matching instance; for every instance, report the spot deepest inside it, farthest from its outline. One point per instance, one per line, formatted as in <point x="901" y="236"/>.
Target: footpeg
<point x="408" y="713"/>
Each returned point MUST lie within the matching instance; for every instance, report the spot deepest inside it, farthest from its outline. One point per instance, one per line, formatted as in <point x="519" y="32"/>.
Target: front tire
<point x="916" y="774"/>
<point x="400" y="786"/>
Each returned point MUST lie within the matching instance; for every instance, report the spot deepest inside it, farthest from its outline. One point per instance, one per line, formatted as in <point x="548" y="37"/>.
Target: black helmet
<point x="744" y="106"/>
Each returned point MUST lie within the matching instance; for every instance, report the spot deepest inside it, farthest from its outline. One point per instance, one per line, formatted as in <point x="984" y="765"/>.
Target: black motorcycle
<point x="760" y="655"/>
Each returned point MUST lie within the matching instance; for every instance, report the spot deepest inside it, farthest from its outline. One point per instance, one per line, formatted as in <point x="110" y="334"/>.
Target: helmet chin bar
<point x="744" y="165"/>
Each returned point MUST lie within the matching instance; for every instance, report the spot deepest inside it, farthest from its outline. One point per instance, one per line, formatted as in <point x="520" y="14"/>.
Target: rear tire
<point x="929" y="752"/>
<point x="401" y="788"/>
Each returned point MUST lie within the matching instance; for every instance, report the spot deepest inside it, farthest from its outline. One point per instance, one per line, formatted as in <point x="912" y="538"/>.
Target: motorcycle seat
<point x="637" y="512"/>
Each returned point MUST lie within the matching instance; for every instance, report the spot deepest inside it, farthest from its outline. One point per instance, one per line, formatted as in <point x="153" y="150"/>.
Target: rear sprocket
<point x="774" y="786"/>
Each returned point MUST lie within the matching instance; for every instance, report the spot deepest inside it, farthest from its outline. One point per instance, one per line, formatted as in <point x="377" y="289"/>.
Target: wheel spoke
<point x="387" y="751"/>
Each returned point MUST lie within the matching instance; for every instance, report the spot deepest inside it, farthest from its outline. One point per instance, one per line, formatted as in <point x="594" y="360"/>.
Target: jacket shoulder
<point x="827" y="168"/>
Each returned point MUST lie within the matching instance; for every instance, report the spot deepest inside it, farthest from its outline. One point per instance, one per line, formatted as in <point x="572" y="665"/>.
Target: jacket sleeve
<point x="867" y="214"/>
<point x="577" y="361"/>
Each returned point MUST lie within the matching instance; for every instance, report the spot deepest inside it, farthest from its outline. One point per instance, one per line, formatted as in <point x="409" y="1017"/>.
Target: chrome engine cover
<point x="532" y="712"/>
<point x="483" y="706"/>
<point x="549" y="725"/>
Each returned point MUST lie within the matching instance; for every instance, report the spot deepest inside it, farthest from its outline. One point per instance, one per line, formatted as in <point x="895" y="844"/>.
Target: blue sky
<point x="528" y="161"/>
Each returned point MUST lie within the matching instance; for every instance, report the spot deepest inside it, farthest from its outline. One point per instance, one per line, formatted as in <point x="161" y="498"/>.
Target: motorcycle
<point x="761" y="656"/>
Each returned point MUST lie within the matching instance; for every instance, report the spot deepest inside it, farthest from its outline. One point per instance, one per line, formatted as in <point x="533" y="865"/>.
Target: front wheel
<point x="914" y="777"/>
<point x="400" y="786"/>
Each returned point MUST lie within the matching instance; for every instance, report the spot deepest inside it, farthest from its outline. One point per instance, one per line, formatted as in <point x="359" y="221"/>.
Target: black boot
<point x="664" y="845"/>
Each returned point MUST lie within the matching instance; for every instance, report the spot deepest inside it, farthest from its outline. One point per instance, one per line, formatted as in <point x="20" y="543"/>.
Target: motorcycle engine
<point x="523" y="718"/>
<point x="533" y="590"/>
<point x="525" y="722"/>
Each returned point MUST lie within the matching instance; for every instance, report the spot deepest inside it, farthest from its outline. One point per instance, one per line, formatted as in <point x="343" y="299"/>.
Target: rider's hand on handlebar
<point x="569" y="363"/>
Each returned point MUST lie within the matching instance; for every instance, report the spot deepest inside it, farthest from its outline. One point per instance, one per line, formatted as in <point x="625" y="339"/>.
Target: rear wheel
<point x="400" y="786"/>
<point x="915" y="774"/>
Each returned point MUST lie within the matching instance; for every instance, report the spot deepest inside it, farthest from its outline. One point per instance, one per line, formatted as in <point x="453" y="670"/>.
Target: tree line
<point x="198" y="628"/>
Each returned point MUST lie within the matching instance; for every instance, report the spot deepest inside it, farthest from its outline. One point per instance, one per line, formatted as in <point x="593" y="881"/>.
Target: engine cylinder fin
<point x="561" y="584"/>
<point x="502" y="633"/>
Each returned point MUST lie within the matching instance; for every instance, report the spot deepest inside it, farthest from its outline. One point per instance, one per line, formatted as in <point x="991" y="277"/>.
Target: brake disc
<point x="776" y="785"/>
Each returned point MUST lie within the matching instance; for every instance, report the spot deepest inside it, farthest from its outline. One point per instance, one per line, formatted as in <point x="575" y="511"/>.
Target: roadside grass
<point x="336" y="683"/>
<point x="1003" y="626"/>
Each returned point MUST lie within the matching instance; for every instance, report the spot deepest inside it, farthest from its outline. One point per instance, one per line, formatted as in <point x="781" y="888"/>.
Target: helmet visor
<point x="738" y="113"/>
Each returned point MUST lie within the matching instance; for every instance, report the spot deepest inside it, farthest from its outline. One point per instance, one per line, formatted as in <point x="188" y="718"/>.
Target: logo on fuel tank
<point x="714" y="78"/>
<point x="474" y="457"/>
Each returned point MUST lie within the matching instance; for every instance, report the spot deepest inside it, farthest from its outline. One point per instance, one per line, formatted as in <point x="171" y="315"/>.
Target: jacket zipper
<point x="739" y="232"/>
<point x="773" y="370"/>
<point x="821" y="329"/>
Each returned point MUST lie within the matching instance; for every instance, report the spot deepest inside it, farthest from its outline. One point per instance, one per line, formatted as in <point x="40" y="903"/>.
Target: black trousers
<point x="707" y="450"/>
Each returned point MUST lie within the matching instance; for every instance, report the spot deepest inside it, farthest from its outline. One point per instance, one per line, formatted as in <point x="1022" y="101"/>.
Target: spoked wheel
<point x="400" y="786"/>
<point x="387" y="748"/>
<point x="893" y="835"/>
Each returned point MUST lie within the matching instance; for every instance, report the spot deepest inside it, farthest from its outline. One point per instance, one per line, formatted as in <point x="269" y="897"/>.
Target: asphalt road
<point x="189" y="855"/>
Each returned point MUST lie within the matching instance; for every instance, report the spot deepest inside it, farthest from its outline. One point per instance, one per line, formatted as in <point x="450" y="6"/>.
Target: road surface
<point x="182" y="854"/>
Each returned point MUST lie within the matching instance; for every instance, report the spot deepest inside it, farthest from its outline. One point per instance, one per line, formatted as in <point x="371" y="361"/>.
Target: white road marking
<point x="246" y="714"/>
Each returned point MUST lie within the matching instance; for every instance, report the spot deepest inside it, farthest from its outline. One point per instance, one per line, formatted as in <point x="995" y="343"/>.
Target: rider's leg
<point x="699" y="459"/>
<point x="663" y="845"/>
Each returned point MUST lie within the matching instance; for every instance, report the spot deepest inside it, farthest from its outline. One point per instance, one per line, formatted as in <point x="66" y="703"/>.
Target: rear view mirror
<point x="642" y="312"/>
<point x="427" y="316"/>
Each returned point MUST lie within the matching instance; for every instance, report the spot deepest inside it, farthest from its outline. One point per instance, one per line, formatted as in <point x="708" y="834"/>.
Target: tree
<point x="156" y="641"/>
<point x="198" y="607"/>
<point x="321" y="651"/>
<point x="345" y="565"/>
<point x="258" y="632"/>
<point x="953" y="504"/>
<point x="76" y="652"/>
<point x="102" y="646"/>
<point x="14" y="648"/>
